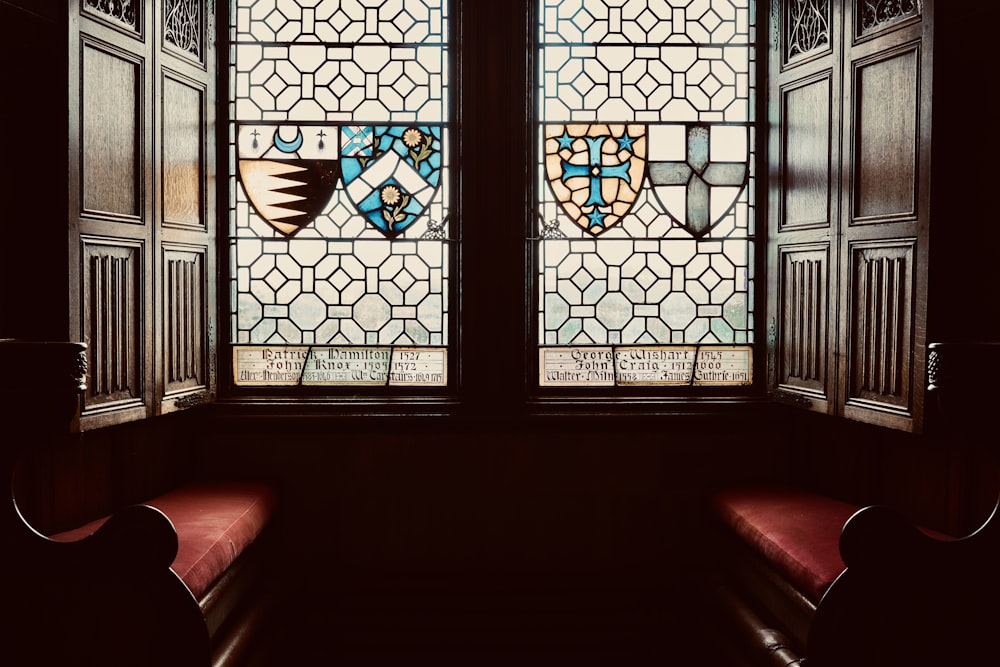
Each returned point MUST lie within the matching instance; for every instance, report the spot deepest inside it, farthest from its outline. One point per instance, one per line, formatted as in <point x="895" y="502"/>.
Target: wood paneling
<point x="142" y="89"/>
<point x="804" y="328"/>
<point x="185" y="236"/>
<point x="110" y="124"/>
<point x="804" y="114"/>
<point x="886" y="139"/>
<point x="806" y="159"/>
<point x="806" y="28"/>
<point x="182" y="169"/>
<point x="127" y="14"/>
<point x="874" y="17"/>
<point x="112" y="322"/>
<point x="881" y="324"/>
<point x="850" y="175"/>
<point x="185" y="315"/>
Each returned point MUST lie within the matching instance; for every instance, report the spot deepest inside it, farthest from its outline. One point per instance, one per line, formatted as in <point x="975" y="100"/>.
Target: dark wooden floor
<point x="489" y="627"/>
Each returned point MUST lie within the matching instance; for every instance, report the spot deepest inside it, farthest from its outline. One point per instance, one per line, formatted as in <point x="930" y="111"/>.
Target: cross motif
<point x="698" y="175"/>
<point x="597" y="172"/>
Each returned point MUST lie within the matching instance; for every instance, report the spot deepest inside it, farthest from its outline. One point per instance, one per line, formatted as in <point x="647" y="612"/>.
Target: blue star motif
<point x="625" y="142"/>
<point x="596" y="218"/>
<point x="565" y="141"/>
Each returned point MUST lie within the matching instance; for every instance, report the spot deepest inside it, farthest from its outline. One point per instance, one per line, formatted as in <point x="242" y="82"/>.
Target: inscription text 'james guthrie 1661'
<point x="676" y="365"/>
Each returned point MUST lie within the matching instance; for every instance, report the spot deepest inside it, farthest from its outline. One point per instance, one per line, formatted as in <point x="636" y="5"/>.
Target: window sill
<point x="488" y="414"/>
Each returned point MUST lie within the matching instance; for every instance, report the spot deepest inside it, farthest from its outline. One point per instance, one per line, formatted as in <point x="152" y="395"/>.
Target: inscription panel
<point x="672" y="365"/>
<point x="111" y="174"/>
<point x="276" y="366"/>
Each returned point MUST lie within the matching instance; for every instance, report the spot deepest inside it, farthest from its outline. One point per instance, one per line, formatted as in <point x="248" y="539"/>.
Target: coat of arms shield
<point x="391" y="172"/>
<point x="289" y="172"/>
<point x="698" y="171"/>
<point x="595" y="170"/>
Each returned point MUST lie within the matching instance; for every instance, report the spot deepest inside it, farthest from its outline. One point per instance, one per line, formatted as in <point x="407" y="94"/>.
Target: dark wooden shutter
<point x="142" y="229"/>
<point x="885" y="212"/>
<point x="850" y="102"/>
<point x="804" y="117"/>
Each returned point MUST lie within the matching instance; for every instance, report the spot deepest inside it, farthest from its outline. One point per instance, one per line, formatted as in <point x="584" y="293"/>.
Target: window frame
<point x="490" y="324"/>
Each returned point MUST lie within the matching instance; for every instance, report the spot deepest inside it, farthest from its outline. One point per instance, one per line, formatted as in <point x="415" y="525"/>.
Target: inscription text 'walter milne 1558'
<point x="646" y="365"/>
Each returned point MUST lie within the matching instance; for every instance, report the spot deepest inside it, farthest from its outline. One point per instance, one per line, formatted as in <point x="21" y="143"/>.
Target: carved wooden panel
<point x="807" y="28"/>
<point x="183" y="26"/>
<point x="882" y="276"/>
<point x="806" y="145"/>
<point x="185" y="318"/>
<point x="873" y="16"/>
<point x="885" y="136"/>
<point x="111" y="174"/>
<point x="112" y="312"/>
<point x="121" y="13"/>
<point x="805" y="277"/>
<point x="183" y="165"/>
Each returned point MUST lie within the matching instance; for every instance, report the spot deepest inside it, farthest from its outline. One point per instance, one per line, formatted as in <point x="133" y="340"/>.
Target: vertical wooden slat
<point x="796" y="332"/>
<point x="882" y="293"/>
<point x="97" y="316"/>
<point x="802" y="344"/>
<point x="894" y="360"/>
<point x="121" y="321"/>
<point x="173" y="326"/>
<point x="184" y="319"/>
<point x="809" y="313"/>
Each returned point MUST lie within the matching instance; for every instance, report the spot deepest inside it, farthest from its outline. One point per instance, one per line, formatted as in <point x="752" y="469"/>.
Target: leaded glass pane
<point x="339" y="223"/>
<point x="646" y="172"/>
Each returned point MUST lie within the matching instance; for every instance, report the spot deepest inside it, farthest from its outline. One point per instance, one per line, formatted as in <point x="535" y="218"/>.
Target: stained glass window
<point x="644" y="244"/>
<point x="339" y="237"/>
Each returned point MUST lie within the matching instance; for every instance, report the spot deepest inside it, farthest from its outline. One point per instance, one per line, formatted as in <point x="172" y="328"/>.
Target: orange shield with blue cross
<point x="595" y="170"/>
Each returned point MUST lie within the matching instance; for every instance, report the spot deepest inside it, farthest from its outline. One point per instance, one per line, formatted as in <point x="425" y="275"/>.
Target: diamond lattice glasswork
<point x="645" y="182"/>
<point x="339" y="234"/>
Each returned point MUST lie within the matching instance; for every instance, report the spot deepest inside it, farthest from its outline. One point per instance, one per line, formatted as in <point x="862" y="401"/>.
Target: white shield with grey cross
<point x="698" y="171"/>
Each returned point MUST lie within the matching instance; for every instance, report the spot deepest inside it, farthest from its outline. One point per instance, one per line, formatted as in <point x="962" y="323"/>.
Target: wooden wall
<point x="588" y="502"/>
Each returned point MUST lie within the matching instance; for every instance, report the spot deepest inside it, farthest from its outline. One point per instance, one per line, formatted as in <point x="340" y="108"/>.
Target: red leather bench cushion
<point x="215" y="522"/>
<point x="797" y="532"/>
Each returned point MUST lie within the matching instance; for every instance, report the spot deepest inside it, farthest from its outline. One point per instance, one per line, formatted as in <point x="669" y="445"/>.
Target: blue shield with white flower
<point x="391" y="173"/>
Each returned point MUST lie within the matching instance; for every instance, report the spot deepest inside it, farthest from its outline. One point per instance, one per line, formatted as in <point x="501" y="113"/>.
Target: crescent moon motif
<point x="288" y="146"/>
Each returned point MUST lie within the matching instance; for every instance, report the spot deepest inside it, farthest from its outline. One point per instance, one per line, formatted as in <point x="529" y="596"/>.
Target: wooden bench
<point x="805" y="579"/>
<point x="179" y="578"/>
<point x="807" y="576"/>
<point x="776" y="553"/>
